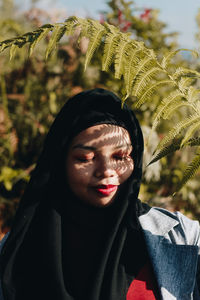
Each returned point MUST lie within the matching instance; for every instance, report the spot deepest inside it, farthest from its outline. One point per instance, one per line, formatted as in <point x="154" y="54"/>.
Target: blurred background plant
<point x="33" y="90"/>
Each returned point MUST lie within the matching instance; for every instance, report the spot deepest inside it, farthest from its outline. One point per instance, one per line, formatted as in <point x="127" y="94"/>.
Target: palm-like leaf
<point x="112" y="39"/>
<point x="96" y="33"/>
<point x="146" y="95"/>
<point x="130" y="69"/>
<point x="190" y="171"/>
<point x="192" y="119"/>
<point x="165" y="103"/>
<point x="167" y="59"/>
<point x="41" y="33"/>
<point x="143" y="80"/>
<point x="192" y="129"/>
<point x="58" y="33"/>
<point x="120" y="56"/>
<point x="185" y="72"/>
<point x="169" y="149"/>
<point x="174" y="106"/>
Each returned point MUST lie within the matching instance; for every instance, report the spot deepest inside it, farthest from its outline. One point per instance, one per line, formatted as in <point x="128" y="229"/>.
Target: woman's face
<point x="98" y="162"/>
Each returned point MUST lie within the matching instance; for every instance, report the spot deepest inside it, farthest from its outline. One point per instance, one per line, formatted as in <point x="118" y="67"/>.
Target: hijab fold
<point x="38" y="254"/>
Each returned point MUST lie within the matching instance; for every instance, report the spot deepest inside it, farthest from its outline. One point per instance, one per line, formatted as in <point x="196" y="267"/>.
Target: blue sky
<point x="179" y="15"/>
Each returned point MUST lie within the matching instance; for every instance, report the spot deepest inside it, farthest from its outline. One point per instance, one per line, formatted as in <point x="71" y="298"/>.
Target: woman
<point x="80" y="231"/>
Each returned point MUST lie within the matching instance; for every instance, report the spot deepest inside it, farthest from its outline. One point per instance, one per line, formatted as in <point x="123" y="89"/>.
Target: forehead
<point x="103" y="135"/>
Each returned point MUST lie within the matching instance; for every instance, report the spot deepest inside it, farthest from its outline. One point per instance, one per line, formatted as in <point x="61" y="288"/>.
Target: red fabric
<point x="144" y="286"/>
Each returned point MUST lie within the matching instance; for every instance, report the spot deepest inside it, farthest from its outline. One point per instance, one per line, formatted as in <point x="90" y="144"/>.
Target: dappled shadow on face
<point x="98" y="162"/>
<point x="106" y="148"/>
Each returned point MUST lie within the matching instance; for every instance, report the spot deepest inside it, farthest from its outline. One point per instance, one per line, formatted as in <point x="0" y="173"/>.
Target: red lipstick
<point x="106" y="190"/>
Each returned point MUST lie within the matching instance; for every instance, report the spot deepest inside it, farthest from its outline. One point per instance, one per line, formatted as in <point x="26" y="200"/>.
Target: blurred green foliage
<point x="33" y="90"/>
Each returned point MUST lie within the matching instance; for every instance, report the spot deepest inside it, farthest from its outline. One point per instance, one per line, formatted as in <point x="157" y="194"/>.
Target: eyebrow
<point x="81" y="146"/>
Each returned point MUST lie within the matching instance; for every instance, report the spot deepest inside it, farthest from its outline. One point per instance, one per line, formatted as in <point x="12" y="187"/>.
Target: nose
<point x="105" y="169"/>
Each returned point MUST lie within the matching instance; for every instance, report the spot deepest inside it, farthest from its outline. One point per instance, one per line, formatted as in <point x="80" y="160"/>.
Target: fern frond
<point x="178" y="128"/>
<point x="96" y="33"/>
<point x="120" y="55"/>
<point x="141" y="67"/>
<point x="185" y="72"/>
<point x="146" y="51"/>
<point x="165" y="103"/>
<point x="144" y="79"/>
<point x="111" y="42"/>
<point x="150" y="90"/>
<point x="28" y="37"/>
<point x="183" y="84"/>
<point x="39" y="35"/>
<point x="5" y="44"/>
<point x="13" y="49"/>
<point x="190" y="171"/>
<point x="130" y="68"/>
<point x="194" y="127"/>
<point x="193" y="94"/>
<point x="56" y="36"/>
<point x="166" y="59"/>
<point x="167" y="113"/>
<point x="84" y="30"/>
<point x="71" y="23"/>
<point x="195" y="141"/>
<point x="174" y="146"/>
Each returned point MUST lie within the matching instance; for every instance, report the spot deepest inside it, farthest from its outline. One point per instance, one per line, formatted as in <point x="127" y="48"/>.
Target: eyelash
<point x="117" y="157"/>
<point x="83" y="159"/>
<point x="121" y="158"/>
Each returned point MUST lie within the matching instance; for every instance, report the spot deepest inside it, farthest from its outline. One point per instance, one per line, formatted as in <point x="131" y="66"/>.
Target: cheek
<point x="125" y="170"/>
<point x="78" y="174"/>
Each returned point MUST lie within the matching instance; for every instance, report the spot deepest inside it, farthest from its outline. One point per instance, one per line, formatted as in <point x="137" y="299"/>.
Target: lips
<point x="106" y="189"/>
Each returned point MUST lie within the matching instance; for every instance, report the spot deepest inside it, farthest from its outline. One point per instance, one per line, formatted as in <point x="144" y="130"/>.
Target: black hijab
<point x="37" y="256"/>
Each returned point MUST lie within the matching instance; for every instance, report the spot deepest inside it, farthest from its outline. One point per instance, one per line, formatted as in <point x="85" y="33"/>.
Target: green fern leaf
<point x="195" y="141"/>
<point x="112" y="39"/>
<point x="178" y="128"/>
<point x="5" y="44"/>
<point x="190" y="171"/>
<point x="57" y="34"/>
<point x="185" y="72"/>
<point x="165" y="103"/>
<point x="150" y="90"/>
<point x="40" y="34"/>
<point x="85" y="30"/>
<point x="111" y="42"/>
<point x="166" y="59"/>
<point x="147" y="52"/>
<point x="143" y="64"/>
<point x="130" y="68"/>
<point x="193" y="128"/>
<point x="168" y="112"/>
<point x="71" y="23"/>
<point x="96" y="33"/>
<point x="183" y="84"/>
<point x="144" y="79"/>
<point x="174" y="146"/>
<point x="193" y="95"/>
<point x="142" y="67"/>
<point x="13" y="49"/>
<point x="120" y="55"/>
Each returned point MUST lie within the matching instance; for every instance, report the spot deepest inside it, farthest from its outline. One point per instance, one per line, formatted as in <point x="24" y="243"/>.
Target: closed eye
<point x="121" y="157"/>
<point x="82" y="159"/>
<point x="85" y="159"/>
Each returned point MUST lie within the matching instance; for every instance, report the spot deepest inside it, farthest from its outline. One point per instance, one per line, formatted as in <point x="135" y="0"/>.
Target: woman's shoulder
<point x="177" y="215"/>
<point x="183" y="220"/>
<point x="161" y="221"/>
